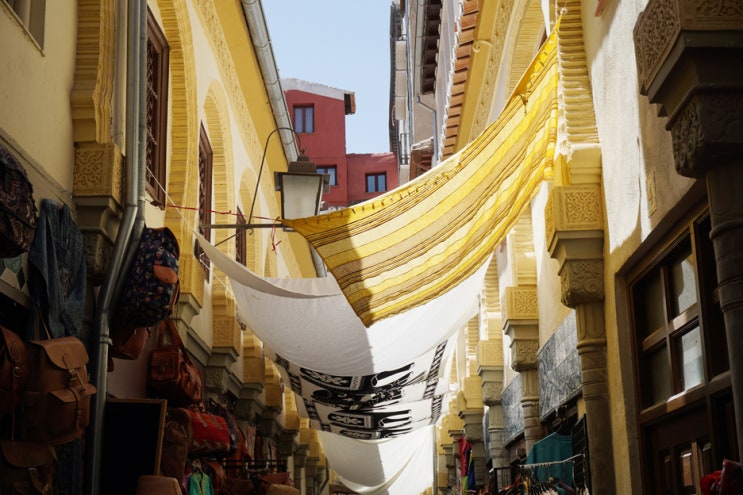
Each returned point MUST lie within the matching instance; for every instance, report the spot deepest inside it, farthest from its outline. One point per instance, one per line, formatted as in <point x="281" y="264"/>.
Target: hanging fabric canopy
<point x="410" y="245"/>
<point x="367" y="351"/>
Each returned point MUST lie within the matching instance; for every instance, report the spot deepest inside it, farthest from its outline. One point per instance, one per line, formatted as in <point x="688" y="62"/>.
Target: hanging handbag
<point x="13" y="372"/>
<point x="220" y="409"/>
<point x="26" y="468"/>
<point x="152" y="282"/>
<point x="17" y="207"/>
<point x="171" y="374"/>
<point x="177" y="438"/>
<point x="211" y="437"/>
<point x="128" y="343"/>
<point x="56" y="399"/>
<point x="148" y="484"/>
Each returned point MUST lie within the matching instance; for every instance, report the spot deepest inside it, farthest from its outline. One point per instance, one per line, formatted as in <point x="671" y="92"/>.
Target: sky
<point x="344" y="44"/>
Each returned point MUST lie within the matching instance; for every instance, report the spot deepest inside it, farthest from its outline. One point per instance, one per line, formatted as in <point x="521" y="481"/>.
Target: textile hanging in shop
<point x="406" y="247"/>
<point x="309" y="323"/>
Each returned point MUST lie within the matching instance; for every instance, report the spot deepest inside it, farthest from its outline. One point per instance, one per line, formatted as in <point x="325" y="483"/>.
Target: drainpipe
<point x="130" y="229"/>
<point x="256" y="20"/>
<point x="258" y="29"/>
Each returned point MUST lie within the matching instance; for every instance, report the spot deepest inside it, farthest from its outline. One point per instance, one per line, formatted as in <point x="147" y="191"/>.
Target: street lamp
<point x="301" y="188"/>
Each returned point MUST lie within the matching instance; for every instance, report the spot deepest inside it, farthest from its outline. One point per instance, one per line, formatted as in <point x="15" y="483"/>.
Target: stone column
<point x="471" y="410"/>
<point x="521" y="324"/>
<point x="689" y="61"/>
<point x="490" y="369"/>
<point x="574" y="230"/>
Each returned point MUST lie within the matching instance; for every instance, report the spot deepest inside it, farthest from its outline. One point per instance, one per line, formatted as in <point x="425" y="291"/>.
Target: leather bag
<point x="211" y="437"/>
<point x="282" y="490"/>
<point x="171" y="374"/>
<point x="26" y="468"/>
<point x="220" y="409"/>
<point x="56" y="400"/>
<point x="128" y="343"/>
<point x="177" y="439"/>
<point x="13" y="372"/>
<point x="157" y="485"/>
<point x="152" y="282"/>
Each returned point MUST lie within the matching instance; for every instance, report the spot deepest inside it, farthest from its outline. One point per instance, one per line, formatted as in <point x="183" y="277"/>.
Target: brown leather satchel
<point x="171" y="374"/>
<point x="177" y="438"/>
<point x="56" y="400"/>
<point x="157" y="485"/>
<point x="26" y="468"/>
<point x="13" y="373"/>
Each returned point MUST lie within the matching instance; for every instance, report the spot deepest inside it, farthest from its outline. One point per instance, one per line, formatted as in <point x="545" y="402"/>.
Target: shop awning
<point x="410" y="245"/>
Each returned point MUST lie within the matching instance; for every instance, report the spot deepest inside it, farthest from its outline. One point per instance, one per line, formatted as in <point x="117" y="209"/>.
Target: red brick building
<point x="318" y="113"/>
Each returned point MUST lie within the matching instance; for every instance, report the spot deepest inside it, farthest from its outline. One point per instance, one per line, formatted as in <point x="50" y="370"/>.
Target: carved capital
<point x="520" y="303"/>
<point x="582" y="282"/>
<point x="254" y="370"/>
<point x="524" y="355"/>
<point x="662" y="28"/>
<point x="226" y="331"/>
<point x="574" y="223"/>
<point x="490" y="353"/>
<point x="216" y="379"/>
<point x="98" y="189"/>
<point x="704" y="132"/>
<point x="492" y="386"/>
<point x="686" y="52"/>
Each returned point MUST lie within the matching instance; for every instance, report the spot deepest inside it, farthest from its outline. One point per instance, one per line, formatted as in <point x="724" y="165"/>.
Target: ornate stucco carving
<point x="520" y="303"/>
<point x="582" y="282"/>
<point x="98" y="190"/>
<point x="490" y="353"/>
<point x="704" y="131"/>
<point x="683" y="52"/>
<point x="575" y="223"/>
<point x="98" y="171"/>
<point x="253" y="367"/>
<point x="216" y="379"/>
<point x="524" y="355"/>
<point x="226" y="332"/>
<point x="660" y="26"/>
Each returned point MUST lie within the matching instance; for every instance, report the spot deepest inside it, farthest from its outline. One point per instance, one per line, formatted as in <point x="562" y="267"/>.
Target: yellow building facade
<point x="164" y="114"/>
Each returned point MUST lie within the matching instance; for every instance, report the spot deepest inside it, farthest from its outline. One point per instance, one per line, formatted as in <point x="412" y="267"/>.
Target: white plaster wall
<point x="35" y="94"/>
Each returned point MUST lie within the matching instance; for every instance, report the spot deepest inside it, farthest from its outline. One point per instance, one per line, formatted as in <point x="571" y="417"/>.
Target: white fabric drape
<point x="397" y="466"/>
<point x="310" y="324"/>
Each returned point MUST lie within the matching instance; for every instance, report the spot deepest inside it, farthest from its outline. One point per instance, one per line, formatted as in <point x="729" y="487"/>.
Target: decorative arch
<point x="183" y="176"/>
<point x="224" y="321"/>
<point x="246" y="197"/>
<point x="528" y="24"/>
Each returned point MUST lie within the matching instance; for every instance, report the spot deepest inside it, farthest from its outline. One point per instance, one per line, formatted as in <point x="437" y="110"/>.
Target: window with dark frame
<point x="32" y="14"/>
<point x="681" y="362"/>
<point x="304" y="118"/>
<point x="330" y="170"/>
<point x="158" y="54"/>
<point x="241" y="240"/>
<point x="376" y="182"/>
<point x="205" y="198"/>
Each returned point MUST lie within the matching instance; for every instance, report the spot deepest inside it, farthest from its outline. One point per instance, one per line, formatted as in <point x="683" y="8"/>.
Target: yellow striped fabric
<point x="407" y="246"/>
